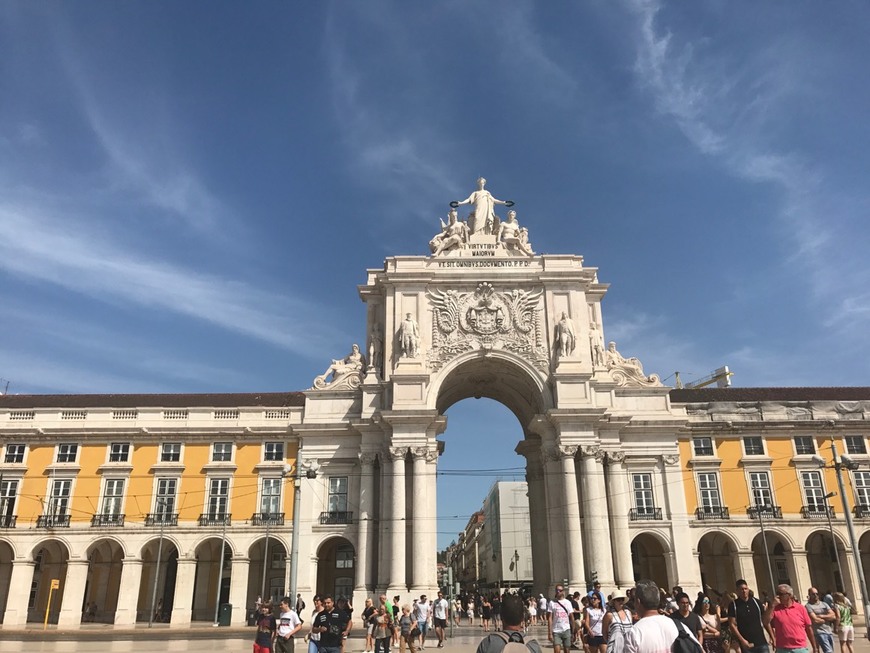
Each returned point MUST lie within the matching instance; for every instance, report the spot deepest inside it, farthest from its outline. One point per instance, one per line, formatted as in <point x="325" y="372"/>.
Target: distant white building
<point x="507" y="537"/>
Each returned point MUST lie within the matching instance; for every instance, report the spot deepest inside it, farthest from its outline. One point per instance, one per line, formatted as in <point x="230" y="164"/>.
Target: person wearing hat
<point x="617" y="623"/>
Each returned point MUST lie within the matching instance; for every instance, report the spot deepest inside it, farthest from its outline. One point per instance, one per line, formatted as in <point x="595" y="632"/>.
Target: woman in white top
<point x="616" y="625"/>
<point x="470" y="612"/>
<point x="594" y="620"/>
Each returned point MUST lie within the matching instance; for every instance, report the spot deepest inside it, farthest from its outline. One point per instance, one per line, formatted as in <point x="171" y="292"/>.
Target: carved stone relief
<point x="368" y="458"/>
<point x="347" y="373"/>
<point x="628" y="371"/>
<point x="487" y="319"/>
<point x="670" y="459"/>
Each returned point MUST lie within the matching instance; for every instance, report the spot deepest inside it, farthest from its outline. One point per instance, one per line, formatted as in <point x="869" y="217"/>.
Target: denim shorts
<point x="562" y="639"/>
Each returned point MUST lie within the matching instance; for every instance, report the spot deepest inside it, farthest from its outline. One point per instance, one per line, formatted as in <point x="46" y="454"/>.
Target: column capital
<point x="615" y="456"/>
<point x="670" y="459"/>
<point x="568" y="450"/>
<point x="429" y="453"/>
<point x="368" y="457"/>
<point x="592" y="451"/>
<point x="397" y="453"/>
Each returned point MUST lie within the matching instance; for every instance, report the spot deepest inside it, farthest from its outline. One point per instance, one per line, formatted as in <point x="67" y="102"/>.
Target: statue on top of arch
<point x="482" y="227"/>
<point x="628" y="371"/>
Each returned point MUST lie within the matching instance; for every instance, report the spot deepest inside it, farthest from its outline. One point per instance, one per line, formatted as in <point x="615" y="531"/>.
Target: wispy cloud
<point x="41" y="247"/>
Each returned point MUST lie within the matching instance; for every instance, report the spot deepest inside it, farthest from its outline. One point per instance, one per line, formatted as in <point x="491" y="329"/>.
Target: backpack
<point x="685" y="643"/>
<point x="514" y="642"/>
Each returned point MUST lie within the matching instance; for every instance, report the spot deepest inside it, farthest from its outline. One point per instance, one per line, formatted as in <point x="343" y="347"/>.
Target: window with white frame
<point x="708" y="486"/>
<point x="113" y="496"/>
<point x="813" y="490"/>
<point x="273" y="451"/>
<point x="270" y="496"/>
<point x="644" y="501"/>
<point x="66" y="452"/>
<point x="59" y="497"/>
<point x="862" y="488"/>
<point x="702" y="446"/>
<point x="344" y="557"/>
<point x="14" y="453"/>
<point x="337" y="500"/>
<point x="855" y="444"/>
<point x="167" y="491"/>
<point x="804" y="445"/>
<point x="218" y="497"/>
<point x="753" y="445"/>
<point x="759" y="485"/>
<point x="222" y="452"/>
<point x="119" y="452"/>
<point x="8" y="494"/>
<point x="170" y="452"/>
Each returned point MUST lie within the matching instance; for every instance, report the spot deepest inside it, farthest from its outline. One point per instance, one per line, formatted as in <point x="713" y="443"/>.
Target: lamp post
<point x="268" y="519"/>
<point x="162" y="516"/>
<point x="217" y="600"/>
<point x="759" y="509"/>
<point x="834" y="539"/>
<point x="516" y="560"/>
<point x="294" y="545"/>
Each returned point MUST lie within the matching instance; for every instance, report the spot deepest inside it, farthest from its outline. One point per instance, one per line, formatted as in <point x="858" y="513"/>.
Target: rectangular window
<point x="8" y="493"/>
<point x="753" y="446"/>
<point x="14" y="453"/>
<point x="815" y="494"/>
<point x="759" y="484"/>
<point x="804" y="445"/>
<point x="703" y="446"/>
<point x="708" y="484"/>
<point x="222" y="452"/>
<point x="113" y="496"/>
<point x="862" y="488"/>
<point x="167" y="490"/>
<point x="273" y="451"/>
<point x="270" y="499"/>
<point x="855" y="444"/>
<point x="218" y="497"/>
<point x="343" y="557"/>
<point x="643" y="494"/>
<point x="337" y="501"/>
<point x="119" y="452"/>
<point x="66" y="453"/>
<point x="170" y="452"/>
<point x="58" y="501"/>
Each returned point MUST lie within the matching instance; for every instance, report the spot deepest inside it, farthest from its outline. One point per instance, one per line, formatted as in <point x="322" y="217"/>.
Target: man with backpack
<point x="654" y="632"/>
<point x="511" y="639"/>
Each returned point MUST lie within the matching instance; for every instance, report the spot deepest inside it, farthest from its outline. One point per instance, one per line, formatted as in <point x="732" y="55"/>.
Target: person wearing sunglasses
<point x="792" y="628"/>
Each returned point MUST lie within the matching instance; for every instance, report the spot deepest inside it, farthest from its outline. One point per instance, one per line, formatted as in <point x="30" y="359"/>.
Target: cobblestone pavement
<point x="213" y="640"/>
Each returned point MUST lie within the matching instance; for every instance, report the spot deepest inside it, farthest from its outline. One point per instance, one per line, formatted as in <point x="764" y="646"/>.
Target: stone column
<point x="128" y="595"/>
<point x="801" y="582"/>
<point x="385" y="525"/>
<point x="239" y="589"/>
<point x="183" y="599"/>
<point x="430" y="521"/>
<point x="531" y="450"/>
<point x="73" y="593"/>
<point x="571" y="518"/>
<point x="19" y="590"/>
<point x="365" y="532"/>
<point x="418" y="510"/>
<point x="685" y="573"/>
<point x="620" y="535"/>
<point x="556" y="522"/>
<point x="595" y="517"/>
<point x="746" y="570"/>
<point x="398" y="580"/>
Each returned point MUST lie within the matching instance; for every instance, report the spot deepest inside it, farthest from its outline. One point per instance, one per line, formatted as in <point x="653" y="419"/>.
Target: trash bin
<point x="225" y="616"/>
<point x="251" y="617"/>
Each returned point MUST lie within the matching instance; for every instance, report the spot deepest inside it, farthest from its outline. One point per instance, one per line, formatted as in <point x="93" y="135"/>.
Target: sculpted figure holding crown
<point x="484" y="203"/>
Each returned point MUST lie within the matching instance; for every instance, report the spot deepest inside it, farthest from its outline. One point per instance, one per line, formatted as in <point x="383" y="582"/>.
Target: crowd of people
<point x="645" y="619"/>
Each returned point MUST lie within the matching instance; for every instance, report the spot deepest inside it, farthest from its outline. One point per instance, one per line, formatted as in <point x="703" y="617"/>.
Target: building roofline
<point x="213" y="400"/>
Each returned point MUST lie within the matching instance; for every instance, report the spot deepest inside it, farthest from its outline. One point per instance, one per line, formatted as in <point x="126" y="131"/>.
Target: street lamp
<point x="294" y="546"/>
<point x="267" y="517"/>
<point x="828" y="511"/>
<point x="840" y="463"/>
<point x="759" y="509"/>
<point x="161" y="515"/>
<point x="516" y="560"/>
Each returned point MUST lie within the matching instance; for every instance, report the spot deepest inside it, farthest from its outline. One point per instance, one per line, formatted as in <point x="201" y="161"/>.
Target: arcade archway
<point x="105" y="560"/>
<point x="50" y="563"/>
<point x="211" y="586"/>
<point x="336" y="566"/>
<point x="824" y="559"/>
<point x="164" y="575"/>
<point x="717" y="557"/>
<point x="781" y="562"/>
<point x="648" y="558"/>
<point x="267" y="574"/>
<point x="7" y="555"/>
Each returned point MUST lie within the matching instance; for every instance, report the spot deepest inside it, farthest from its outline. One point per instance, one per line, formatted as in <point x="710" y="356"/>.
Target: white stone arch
<point x="153" y="539"/>
<point x="828" y="570"/>
<point x="103" y="538"/>
<point x="719" y="568"/>
<point x="476" y="374"/>
<point x="654" y="565"/>
<point x="40" y="543"/>
<point x="11" y="543"/>
<point x="195" y="544"/>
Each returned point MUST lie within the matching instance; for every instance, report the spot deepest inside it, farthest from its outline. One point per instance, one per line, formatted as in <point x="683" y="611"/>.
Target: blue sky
<point x="191" y="192"/>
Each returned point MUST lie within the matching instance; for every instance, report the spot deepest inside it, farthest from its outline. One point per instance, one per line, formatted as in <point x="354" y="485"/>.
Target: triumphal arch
<point x="483" y="315"/>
